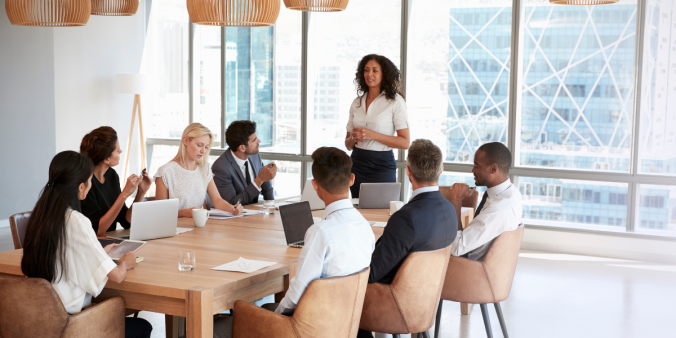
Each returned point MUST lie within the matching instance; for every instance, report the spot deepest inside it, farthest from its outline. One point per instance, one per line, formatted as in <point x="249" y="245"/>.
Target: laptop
<point x="310" y="195"/>
<point x="152" y="219"/>
<point x="296" y="219"/>
<point x="378" y="195"/>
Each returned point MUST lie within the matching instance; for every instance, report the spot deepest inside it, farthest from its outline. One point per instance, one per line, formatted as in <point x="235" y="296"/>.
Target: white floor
<point x="557" y="295"/>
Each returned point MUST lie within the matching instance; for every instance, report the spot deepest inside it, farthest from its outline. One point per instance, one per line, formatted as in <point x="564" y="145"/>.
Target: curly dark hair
<point x="391" y="84"/>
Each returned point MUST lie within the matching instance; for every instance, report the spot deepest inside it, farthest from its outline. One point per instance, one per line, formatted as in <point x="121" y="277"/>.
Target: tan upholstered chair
<point x="29" y="307"/>
<point x="483" y="282"/>
<point x="330" y="307"/>
<point x="18" y="223"/>
<point x="407" y="305"/>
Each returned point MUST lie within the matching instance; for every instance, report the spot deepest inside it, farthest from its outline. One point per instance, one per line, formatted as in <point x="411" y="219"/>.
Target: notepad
<point x="244" y="265"/>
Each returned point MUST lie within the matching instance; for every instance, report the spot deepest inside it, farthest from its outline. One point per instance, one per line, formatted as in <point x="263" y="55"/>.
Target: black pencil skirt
<point x="370" y="166"/>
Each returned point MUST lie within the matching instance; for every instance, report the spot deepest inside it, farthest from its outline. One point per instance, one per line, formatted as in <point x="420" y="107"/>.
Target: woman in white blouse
<point x="378" y="122"/>
<point x="188" y="176"/>
<point x="61" y="247"/>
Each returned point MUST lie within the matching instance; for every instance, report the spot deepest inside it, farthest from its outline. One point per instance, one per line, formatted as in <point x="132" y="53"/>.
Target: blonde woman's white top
<point x="383" y="116"/>
<point x="87" y="264"/>
<point x="190" y="187"/>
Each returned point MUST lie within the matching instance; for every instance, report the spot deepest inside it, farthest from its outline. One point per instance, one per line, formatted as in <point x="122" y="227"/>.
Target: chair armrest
<point x="104" y="320"/>
<point x="252" y="321"/>
<point x="466" y="282"/>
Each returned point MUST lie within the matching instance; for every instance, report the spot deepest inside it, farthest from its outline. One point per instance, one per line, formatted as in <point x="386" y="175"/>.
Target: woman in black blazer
<point x="105" y="203"/>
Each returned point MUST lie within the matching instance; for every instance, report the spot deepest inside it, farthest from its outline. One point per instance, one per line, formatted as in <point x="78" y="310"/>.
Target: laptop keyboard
<point x="297" y="244"/>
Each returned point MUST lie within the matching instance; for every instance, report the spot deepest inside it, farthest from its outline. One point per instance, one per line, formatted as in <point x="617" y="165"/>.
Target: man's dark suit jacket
<point x="231" y="182"/>
<point x="428" y="222"/>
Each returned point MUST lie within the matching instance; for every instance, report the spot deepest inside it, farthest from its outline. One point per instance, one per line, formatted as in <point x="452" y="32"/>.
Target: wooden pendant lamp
<point x="316" y="5"/>
<point x="234" y="13"/>
<point x="114" y="7"/>
<point x="583" y="2"/>
<point x="48" y="13"/>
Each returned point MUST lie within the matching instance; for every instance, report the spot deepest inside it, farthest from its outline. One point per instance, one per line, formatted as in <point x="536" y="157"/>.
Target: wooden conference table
<point x="156" y="284"/>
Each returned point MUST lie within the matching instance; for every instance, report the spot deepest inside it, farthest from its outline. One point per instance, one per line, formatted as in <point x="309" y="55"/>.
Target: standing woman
<point x="60" y="246"/>
<point x="378" y="122"/>
<point x="188" y="176"/>
<point x="105" y="204"/>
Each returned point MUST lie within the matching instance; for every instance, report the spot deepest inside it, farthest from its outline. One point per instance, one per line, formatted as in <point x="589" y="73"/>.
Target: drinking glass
<point x="186" y="260"/>
<point x="269" y="207"/>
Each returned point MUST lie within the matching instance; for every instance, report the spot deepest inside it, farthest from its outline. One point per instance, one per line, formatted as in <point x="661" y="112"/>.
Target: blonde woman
<point x="188" y="176"/>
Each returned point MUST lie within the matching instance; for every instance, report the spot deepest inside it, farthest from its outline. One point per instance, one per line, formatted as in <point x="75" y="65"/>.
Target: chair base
<point x="484" y="314"/>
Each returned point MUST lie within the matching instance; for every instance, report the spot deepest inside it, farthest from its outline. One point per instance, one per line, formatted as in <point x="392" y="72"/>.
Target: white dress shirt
<point x="240" y="163"/>
<point x="87" y="264"/>
<point x="383" y="116"/>
<point x="502" y="212"/>
<point x="419" y="191"/>
<point x="341" y="244"/>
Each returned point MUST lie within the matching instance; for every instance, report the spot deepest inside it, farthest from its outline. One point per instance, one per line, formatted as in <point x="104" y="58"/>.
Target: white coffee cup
<point x="200" y="217"/>
<point x="395" y="206"/>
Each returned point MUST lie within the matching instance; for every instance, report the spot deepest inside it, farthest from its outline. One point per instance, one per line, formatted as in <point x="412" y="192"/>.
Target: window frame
<point x="633" y="178"/>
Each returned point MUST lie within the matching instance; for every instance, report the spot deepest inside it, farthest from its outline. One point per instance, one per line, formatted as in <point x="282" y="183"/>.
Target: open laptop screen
<point x="296" y="219"/>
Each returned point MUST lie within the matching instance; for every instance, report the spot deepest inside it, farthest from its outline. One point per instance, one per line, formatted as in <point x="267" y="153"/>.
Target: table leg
<point x="174" y="326"/>
<point x="465" y="308"/>
<point x="199" y="307"/>
<point x="280" y="295"/>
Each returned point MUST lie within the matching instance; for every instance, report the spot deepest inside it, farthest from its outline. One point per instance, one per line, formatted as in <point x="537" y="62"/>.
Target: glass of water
<point x="269" y="207"/>
<point x="186" y="260"/>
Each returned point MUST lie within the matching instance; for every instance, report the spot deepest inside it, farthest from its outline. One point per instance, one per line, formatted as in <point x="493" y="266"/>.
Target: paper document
<point x="244" y="265"/>
<point x="378" y="224"/>
<point x="220" y="214"/>
<point x="277" y="204"/>
<point x="248" y="212"/>
<point x="182" y="230"/>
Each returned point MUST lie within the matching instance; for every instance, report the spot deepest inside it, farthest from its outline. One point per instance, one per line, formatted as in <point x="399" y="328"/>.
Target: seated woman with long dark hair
<point x="105" y="204"/>
<point x="60" y="246"/>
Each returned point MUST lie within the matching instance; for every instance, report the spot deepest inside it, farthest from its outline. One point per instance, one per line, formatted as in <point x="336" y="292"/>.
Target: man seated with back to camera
<point x="339" y="245"/>
<point x="500" y="208"/>
<point x="426" y="223"/>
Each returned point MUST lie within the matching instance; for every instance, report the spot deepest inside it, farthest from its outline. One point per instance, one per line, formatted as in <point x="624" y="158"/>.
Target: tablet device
<point x="124" y="247"/>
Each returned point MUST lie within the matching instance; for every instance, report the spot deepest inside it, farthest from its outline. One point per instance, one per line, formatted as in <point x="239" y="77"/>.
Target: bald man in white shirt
<point x="500" y="209"/>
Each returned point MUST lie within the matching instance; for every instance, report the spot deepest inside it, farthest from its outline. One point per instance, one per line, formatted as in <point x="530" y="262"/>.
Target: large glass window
<point x="657" y="208"/>
<point x="262" y="80"/>
<point x="657" y="143"/>
<point x="577" y="86"/>
<point x="574" y="203"/>
<point x="337" y="43"/>
<point x="207" y="79"/>
<point x="458" y="74"/>
<point x="165" y="61"/>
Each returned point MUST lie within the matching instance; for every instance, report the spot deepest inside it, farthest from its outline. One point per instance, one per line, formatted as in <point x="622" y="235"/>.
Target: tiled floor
<point x="557" y="295"/>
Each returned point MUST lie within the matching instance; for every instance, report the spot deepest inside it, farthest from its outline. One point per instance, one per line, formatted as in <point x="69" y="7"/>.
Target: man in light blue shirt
<point x="342" y="243"/>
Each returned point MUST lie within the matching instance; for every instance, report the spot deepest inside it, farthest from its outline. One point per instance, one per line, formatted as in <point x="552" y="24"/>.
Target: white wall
<point x="86" y="61"/>
<point x="57" y="84"/>
<point x="26" y="114"/>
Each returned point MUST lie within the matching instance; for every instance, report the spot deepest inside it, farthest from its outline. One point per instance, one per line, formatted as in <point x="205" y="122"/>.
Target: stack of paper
<point x="244" y="265"/>
<point x="220" y="214"/>
<point x="182" y="230"/>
